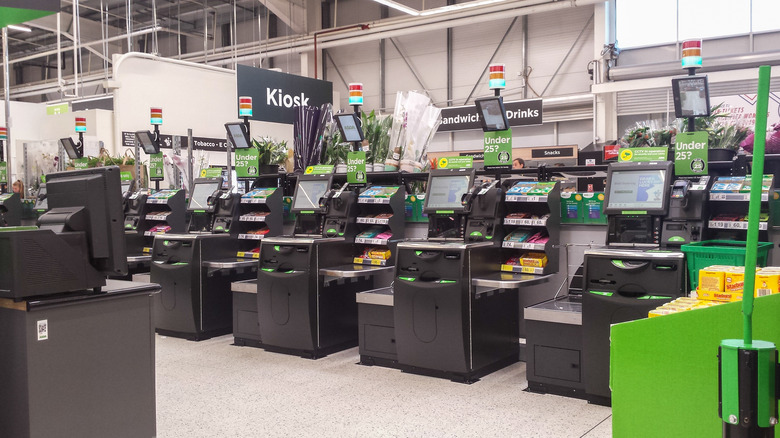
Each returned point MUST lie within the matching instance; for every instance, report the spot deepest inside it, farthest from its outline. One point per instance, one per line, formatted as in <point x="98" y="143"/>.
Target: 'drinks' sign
<point x="519" y="113"/>
<point x="275" y="95"/>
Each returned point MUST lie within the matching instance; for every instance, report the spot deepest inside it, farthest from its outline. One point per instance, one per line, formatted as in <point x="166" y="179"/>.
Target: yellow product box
<point x="379" y="254"/>
<point x="712" y="279"/>
<point x="534" y="259"/>
<point x="734" y="280"/>
<point x="720" y="296"/>
<point x="658" y="312"/>
<point x="767" y="282"/>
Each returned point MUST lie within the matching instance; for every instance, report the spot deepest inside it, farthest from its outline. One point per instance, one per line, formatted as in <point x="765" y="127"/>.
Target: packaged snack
<point x="534" y="259"/>
<point x="711" y="279"/>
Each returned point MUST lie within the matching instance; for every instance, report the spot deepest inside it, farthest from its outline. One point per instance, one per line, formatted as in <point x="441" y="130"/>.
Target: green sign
<point x="319" y="169"/>
<point x="211" y="172"/>
<point x="156" y="167"/>
<point x="125" y="176"/>
<point x="53" y="110"/>
<point x="643" y="154"/>
<point x="690" y="153"/>
<point x="455" y="162"/>
<point x="247" y="163"/>
<point x="498" y="149"/>
<point x="3" y="171"/>
<point x="356" y="167"/>
<point x="81" y="163"/>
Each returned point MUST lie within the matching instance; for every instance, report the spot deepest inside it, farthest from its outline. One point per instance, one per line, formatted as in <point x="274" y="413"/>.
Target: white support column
<point x="605" y="104"/>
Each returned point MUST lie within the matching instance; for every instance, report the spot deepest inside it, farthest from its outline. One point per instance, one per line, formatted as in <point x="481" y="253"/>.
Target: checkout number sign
<point x="690" y="153"/>
<point x="498" y="149"/>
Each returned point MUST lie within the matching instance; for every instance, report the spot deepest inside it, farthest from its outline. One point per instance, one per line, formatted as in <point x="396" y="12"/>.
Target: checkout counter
<point x="77" y="349"/>
<point x="307" y="282"/>
<point x="450" y="313"/>
<point x="147" y="215"/>
<point x="10" y="210"/>
<point x="195" y="270"/>
<point x="568" y="337"/>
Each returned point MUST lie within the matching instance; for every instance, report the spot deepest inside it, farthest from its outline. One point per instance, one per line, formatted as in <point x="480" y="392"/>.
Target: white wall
<point x="191" y="96"/>
<point x="550" y="36"/>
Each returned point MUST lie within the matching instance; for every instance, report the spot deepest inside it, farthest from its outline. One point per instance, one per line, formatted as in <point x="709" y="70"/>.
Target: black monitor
<point x="492" y="114"/>
<point x="40" y="199"/>
<point x="148" y="143"/>
<point x="638" y="188"/>
<point x="691" y="96"/>
<point x="446" y="188"/>
<point x="89" y="201"/>
<point x="201" y="191"/>
<point x="309" y="190"/>
<point x="128" y="185"/>
<point x="71" y="148"/>
<point x="236" y="133"/>
<point x="349" y="125"/>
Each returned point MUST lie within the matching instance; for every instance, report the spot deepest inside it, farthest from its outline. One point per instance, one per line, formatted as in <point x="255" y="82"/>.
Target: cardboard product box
<point x="593" y="208"/>
<point x="571" y="208"/>
<point x="734" y="280"/>
<point x="534" y="259"/>
<point x="719" y="296"/>
<point x="712" y="280"/>
<point x="767" y="282"/>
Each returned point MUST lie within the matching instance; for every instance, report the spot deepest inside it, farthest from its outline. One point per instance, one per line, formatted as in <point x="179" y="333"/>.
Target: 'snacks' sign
<point x="275" y="95"/>
<point x="519" y="113"/>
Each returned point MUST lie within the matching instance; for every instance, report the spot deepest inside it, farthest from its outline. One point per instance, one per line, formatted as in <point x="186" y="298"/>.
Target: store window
<point x="668" y="21"/>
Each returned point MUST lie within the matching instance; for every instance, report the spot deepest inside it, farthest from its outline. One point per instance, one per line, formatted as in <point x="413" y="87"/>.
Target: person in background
<point x="18" y="187"/>
<point x="518" y="163"/>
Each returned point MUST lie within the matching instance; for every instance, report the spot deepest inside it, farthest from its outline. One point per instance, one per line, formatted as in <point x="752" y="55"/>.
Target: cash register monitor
<point x="40" y="199"/>
<point x="446" y="188"/>
<point x="89" y="201"/>
<point x="349" y="126"/>
<point x="638" y="188"/>
<point x="201" y="191"/>
<point x="492" y="114"/>
<point x="691" y="96"/>
<point x="71" y="149"/>
<point x="308" y="192"/>
<point x="147" y="141"/>
<point x="237" y="136"/>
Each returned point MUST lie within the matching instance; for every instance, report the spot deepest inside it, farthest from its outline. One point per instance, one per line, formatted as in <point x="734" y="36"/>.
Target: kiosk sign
<point x="356" y="167"/>
<point x="498" y="149"/>
<point x="156" y="167"/>
<point x="247" y="164"/>
<point x="690" y="153"/>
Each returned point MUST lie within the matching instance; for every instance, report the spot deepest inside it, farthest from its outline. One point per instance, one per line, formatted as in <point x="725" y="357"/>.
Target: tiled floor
<point x="214" y="389"/>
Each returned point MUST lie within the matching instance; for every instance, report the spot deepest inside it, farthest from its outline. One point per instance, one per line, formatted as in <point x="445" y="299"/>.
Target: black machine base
<point x="199" y="336"/>
<point x="244" y="342"/>
<point x="308" y="354"/>
<point x="371" y="361"/>
<point x="467" y="378"/>
<point x="546" y="388"/>
<point x="599" y="400"/>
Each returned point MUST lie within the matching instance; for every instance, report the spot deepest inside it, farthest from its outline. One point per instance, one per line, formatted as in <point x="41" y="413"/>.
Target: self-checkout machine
<point x="259" y="215"/>
<point x="307" y="282"/>
<point x="149" y="213"/>
<point x="78" y="349"/>
<point x="196" y="269"/>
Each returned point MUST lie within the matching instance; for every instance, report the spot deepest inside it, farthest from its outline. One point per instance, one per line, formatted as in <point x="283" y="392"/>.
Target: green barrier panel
<point x="664" y="370"/>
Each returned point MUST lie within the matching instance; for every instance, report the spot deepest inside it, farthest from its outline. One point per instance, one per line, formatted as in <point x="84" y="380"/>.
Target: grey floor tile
<point x="215" y="389"/>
